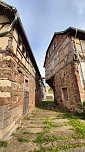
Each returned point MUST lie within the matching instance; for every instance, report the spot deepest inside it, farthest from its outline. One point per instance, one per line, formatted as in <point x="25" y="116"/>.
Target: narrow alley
<point x="47" y="129"/>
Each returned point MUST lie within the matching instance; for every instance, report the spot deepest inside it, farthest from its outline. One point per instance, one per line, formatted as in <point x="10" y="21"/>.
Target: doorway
<point x="26" y="96"/>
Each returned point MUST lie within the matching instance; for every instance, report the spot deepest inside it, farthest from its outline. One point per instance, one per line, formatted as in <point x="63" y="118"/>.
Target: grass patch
<point x="43" y="139"/>
<point x="40" y="150"/>
<point x="73" y="116"/>
<point x="23" y="140"/>
<point x="45" y="104"/>
<point x="63" y="147"/>
<point x="48" y="123"/>
<point x="46" y="130"/>
<point x="26" y="118"/>
<point x="40" y="139"/>
<point x="27" y="132"/>
<point x="3" y="143"/>
<point x="79" y="126"/>
<point x="75" y="122"/>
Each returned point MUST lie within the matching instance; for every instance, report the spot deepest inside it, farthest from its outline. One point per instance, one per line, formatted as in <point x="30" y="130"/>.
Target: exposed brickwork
<point x="65" y="68"/>
<point x="67" y="78"/>
<point x="12" y="94"/>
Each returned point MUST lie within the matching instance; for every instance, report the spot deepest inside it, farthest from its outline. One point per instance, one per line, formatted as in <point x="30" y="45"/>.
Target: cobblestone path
<point x="46" y="129"/>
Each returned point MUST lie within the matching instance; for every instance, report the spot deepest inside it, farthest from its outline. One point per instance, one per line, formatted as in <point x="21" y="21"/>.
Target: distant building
<point x="65" y="68"/>
<point x="20" y="80"/>
<point x="49" y="93"/>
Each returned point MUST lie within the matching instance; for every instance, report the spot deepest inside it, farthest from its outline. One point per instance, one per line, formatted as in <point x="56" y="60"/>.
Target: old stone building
<point x="65" y="68"/>
<point x="20" y="80"/>
<point x="49" y="93"/>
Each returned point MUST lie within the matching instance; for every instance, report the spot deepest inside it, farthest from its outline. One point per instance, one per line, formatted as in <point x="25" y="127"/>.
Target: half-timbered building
<point x="65" y="68"/>
<point x="20" y="80"/>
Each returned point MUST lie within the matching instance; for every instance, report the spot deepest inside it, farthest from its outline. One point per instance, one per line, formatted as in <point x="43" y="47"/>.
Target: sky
<point x="41" y="18"/>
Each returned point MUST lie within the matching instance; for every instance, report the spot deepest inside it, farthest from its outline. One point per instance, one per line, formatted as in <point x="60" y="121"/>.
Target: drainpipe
<point x="79" y="59"/>
<point x="11" y="25"/>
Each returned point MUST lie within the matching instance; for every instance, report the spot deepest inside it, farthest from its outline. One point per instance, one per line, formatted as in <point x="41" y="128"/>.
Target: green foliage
<point x="57" y="148"/>
<point x="3" y="143"/>
<point x="47" y="139"/>
<point x="75" y="121"/>
<point x="40" y="150"/>
<point x="79" y="126"/>
<point x="40" y="139"/>
<point x="26" y="132"/>
<point x="23" y="140"/>
<point x="64" y="147"/>
<point x="50" y="90"/>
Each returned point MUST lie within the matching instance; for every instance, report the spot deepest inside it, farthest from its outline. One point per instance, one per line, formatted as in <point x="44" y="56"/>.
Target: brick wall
<point x="12" y="86"/>
<point x="66" y="78"/>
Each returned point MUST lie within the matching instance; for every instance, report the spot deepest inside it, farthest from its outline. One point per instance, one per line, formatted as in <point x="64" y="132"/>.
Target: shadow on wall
<point x="52" y="106"/>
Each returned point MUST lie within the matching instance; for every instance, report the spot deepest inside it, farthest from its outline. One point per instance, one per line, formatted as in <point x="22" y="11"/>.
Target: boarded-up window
<point x="65" y="94"/>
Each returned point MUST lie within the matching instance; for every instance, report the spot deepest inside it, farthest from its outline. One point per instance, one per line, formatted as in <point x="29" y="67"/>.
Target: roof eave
<point x="11" y="9"/>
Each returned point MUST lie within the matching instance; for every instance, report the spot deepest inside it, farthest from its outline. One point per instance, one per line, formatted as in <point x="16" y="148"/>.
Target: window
<point x="26" y="83"/>
<point x="65" y="94"/>
<point x="20" y="42"/>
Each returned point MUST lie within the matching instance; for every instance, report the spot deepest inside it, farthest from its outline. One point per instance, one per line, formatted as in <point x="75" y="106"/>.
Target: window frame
<point x="63" y="94"/>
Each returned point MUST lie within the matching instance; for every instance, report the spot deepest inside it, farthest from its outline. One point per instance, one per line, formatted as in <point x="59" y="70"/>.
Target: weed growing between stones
<point x="75" y="121"/>
<point x="55" y="149"/>
<point x="23" y="140"/>
<point x="3" y="143"/>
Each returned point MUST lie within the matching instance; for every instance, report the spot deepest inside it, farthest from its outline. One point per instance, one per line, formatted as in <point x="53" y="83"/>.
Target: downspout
<point x="79" y="59"/>
<point x="11" y="26"/>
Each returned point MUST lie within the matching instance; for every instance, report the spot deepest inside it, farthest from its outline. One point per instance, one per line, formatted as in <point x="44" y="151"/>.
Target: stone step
<point x="61" y="129"/>
<point x="34" y="130"/>
<point x="78" y="149"/>
<point x="60" y="121"/>
<point x="34" y="125"/>
<point x="61" y="143"/>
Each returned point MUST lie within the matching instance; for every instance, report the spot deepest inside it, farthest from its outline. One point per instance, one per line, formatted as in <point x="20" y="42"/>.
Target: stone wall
<point x="67" y="79"/>
<point x="62" y="70"/>
<point x="12" y="86"/>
